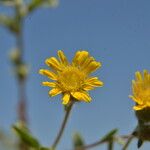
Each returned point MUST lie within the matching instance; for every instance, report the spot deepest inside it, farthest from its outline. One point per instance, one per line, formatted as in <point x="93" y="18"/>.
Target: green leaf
<point x="40" y="3"/>
<point x="26" y="137"/>
<point x="78" y="140"/>
<point x="34" y="4"/>
<point x="109" y="135"/>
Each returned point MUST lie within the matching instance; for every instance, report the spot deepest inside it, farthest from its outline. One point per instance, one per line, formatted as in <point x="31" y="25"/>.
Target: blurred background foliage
<point x="14" y="23"/>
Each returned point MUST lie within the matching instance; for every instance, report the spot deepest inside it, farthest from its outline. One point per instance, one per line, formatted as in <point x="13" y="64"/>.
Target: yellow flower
<point x="141" y="90"/>
<point x="71" y="79"/>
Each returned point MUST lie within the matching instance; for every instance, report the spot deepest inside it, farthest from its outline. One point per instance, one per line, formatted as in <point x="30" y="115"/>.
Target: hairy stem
<point x="63" y="125"/>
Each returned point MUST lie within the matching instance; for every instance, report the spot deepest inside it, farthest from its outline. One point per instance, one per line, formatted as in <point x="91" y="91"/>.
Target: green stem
<point x="128" y="142"/>
<point x="63" y="125"/>
<point x="90" y="145"/>
<point x="21" y="81"/>
<point x="110" y="144"/>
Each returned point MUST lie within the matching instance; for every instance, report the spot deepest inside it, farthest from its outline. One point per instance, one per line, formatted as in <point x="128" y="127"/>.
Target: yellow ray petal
<point x="92" y="67"/>
<point x="66" y="98"/>
<point x="138" y="107"/>
<point x="87" y="87"/>
<point x="54" y="92"/>
<point x="87" y="62"/>
<point x="48" y="73"/>
<point x="146" y="74"/>
<point x="53" y="63"/>
<point x="50" y="84"/>
<point x="146" y="78"/>
<point x="62" y="57"/>
<point x="133" y="84"/>
<point x="82" y="57"/>
<point x="138" y="101"/>
<point x="81" y="96"/>
<point x="94" y="81"/>
<point x="75" y="59"/>
<point x="138" y="76"/>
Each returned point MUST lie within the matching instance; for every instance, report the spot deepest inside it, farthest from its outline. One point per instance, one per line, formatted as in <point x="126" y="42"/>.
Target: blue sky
<point x="116" y="33"/>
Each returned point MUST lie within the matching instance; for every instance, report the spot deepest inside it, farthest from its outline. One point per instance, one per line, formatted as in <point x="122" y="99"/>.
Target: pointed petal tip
<point x="136" y="108"/>
<point x="41" y="71"/>
<point x="54" y="92"/>
<point x="101" y="83"/>
<point x="50" y="84"/>
<point x="59" y="51"/>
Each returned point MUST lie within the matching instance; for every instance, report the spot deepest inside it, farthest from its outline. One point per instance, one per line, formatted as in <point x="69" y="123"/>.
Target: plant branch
<point x="63" y="125"/>
<point x="128" y="142"/>
<point x="90" y="145"/>
<point x="130" y="138"/>
<point x="109" y="141"/>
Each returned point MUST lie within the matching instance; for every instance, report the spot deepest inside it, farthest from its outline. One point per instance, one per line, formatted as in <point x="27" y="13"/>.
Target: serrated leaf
<point x="26" y="137"/>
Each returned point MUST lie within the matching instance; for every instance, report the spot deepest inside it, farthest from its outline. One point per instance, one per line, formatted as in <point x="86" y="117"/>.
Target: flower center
<point x="71" y="79"/>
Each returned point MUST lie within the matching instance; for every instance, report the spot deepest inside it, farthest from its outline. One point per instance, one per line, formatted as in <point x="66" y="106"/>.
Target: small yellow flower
<point x="71" y="79"/>
<point x="141" y="90"/>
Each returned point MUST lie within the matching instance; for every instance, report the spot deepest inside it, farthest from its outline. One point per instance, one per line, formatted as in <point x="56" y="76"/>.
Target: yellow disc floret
<point x="71" y="79"/>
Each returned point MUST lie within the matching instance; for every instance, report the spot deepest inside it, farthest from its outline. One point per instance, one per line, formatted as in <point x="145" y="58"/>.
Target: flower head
<point x="71" y="79"/>
<point x="141" y="90"/>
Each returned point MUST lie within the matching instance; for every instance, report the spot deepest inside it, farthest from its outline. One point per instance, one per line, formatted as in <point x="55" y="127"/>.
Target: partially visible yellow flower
<point x="141" y="90"/>
<point x="71" y="79"/>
